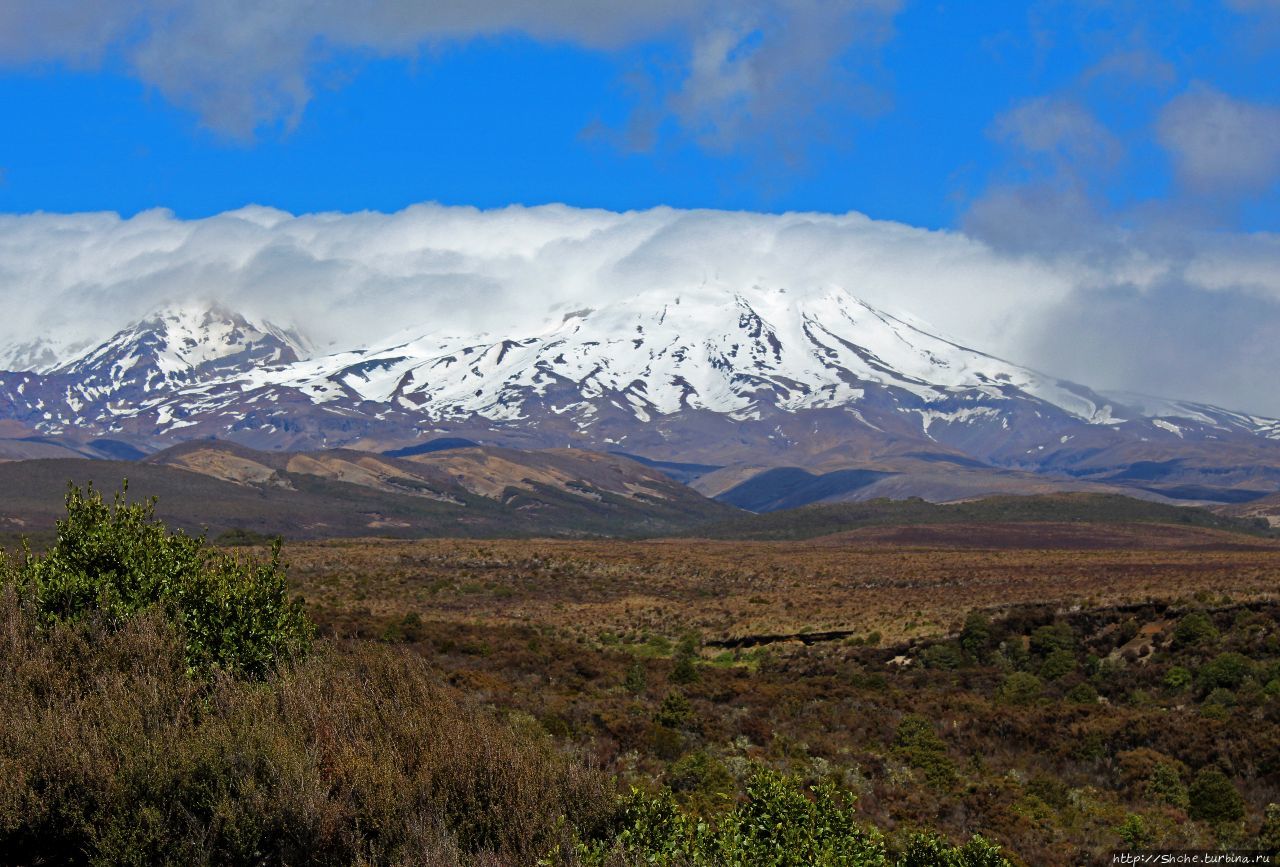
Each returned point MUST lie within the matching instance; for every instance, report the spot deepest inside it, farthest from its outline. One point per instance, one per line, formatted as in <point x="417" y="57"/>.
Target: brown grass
<point x="110" y="754"/>
<point x="556" y="630"/>
<point x="731" y="589"/>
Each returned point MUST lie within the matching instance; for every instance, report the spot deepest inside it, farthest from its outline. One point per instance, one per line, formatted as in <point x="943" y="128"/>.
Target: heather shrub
<point x="111" y="754"/>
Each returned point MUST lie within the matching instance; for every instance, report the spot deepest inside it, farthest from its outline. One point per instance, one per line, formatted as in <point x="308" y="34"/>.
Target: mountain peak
<point x="181" y="342"/>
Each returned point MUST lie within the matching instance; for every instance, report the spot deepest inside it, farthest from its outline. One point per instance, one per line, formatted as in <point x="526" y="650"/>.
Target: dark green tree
<point x="1213" y="798"/>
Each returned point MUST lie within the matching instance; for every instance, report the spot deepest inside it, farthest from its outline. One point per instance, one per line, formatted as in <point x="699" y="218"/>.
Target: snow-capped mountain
<point x="659" y="354"/>
<point x="173" y="348"/>
<point x="729" y="378"/>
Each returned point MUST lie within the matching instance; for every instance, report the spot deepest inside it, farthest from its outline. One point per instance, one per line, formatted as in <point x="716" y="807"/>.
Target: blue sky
<point x="905" y="117"/>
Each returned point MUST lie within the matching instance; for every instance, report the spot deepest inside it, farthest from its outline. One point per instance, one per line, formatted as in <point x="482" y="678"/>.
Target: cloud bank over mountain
<point x="1196" y="318"/>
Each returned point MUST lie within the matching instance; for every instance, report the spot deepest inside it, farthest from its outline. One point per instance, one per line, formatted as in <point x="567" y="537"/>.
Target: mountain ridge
<point x="770" y="378"/>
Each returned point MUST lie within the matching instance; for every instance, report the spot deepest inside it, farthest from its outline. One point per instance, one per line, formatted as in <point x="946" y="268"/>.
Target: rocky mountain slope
<point x="737" y="382"/>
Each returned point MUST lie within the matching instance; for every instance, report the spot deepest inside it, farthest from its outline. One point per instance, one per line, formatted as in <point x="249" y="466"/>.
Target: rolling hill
<point x="467" y="492"/>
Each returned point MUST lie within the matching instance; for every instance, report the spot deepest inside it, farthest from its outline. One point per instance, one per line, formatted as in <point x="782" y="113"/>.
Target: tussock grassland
<point x="734" y="589"/>
<point x="1041" y="698"/>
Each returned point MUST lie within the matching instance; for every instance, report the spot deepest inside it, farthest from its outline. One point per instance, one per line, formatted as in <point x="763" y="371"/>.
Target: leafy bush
<point x="1135" y="833"/>
<point x="701" y="783"/>
<point x="1226" y="670"/>
<point x="685" y="669"/>
<point x="1082" y="693"/>
<point x="1165" y="785"/>
<point x="945" y="656"/>
<point x="918" y="745"/>
<point x="1047" y="639"/>
<point x="1213" y="798"/>
<point x="1020" y="688"/>
<point x="112" y="562"/>
<point x="675" y="710"/>
<point x="1058" y="664"/>
<point x="925" y="850"/>
<point x="780" y="824"/>
<point x="1177" y="678"/>
<point x="1195" y="630"/>
<point x="1220" y="697"/>
<point x="1269" y="834"/>
<point x="637" y="678"/>
<point x="975" y="637"/>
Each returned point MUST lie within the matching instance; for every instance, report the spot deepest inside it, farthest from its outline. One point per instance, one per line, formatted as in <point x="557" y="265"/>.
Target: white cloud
<point x="245" y="64"/>
<point x="1221" y="145"/>
<point x="1061" y="129"/>
<point x="348" y="279"/>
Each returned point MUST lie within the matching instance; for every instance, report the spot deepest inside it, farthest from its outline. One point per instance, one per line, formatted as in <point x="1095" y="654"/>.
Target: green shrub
<point x="1213" y="798"/>
<point x="780" y="824"/>
<point x="1195" y="630"/>
<point x="112" y="562"/>
<point x="1226" y="671"/>
<point x="975" y="637"/>
<point x="685" y="669"/>
<point x="1165" y="786"/>
<point x="1135" y="833"/>
<point x="1020" y="688"/>
<point x="945" y="656"/>
<point x="1047" y="639"/>
<point x="917" y="743"/>
<point x="1177" y="678"/>
<point x="1083" y="693"/>
<point x="1220" y="698"/>
<point x="777" y="825"/>
<point x="701" y="783"/>
<point x="1269" y="834"/>
<point x="926" y="850"/>
<point x="637" y="678"/>
<point x="675" y="710"/>
<point x="1058" y="664"/>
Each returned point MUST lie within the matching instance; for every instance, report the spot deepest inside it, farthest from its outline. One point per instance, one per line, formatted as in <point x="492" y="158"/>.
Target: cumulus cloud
<point x="1221" y="145"/>
<point x="358" y="279"/>
<point x="244" y="64"/>
<point x="1059" y="129"/>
